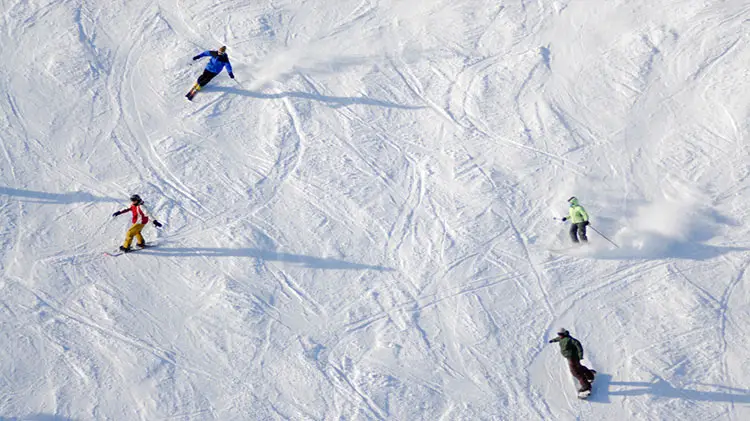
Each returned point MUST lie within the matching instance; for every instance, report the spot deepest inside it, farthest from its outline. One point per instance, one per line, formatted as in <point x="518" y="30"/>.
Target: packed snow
<point x="362" y="225"/>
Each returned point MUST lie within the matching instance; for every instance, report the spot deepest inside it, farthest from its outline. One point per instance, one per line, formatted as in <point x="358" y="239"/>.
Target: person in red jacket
<point x="140" y="219"/>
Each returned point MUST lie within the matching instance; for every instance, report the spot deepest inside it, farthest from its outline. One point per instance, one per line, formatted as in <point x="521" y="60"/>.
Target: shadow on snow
<point x="604" y="388"/>
<point x="306" y="261"/>
<point x="53" y="198"/>
<point x="336" y="101"/>
<point x="667" y="249"/>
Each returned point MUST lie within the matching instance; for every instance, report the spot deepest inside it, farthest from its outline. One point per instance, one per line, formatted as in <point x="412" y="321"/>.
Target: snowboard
<point x="585" y="395"/>
<point x="119" y="252"/>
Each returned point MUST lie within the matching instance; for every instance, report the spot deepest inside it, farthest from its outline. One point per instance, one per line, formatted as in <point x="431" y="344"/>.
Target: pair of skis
<point x="194" y="90"/>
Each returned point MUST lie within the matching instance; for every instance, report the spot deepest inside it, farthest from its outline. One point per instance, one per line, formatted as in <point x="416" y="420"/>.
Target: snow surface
<point x="360" y="226"/>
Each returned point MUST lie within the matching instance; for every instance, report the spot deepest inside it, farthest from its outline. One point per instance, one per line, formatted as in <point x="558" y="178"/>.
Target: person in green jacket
<point x="572" y="350"/>
<point x="579" y="219"/>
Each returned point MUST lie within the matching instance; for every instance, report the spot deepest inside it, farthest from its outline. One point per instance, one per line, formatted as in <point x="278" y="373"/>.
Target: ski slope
<point x="360" y="226"/>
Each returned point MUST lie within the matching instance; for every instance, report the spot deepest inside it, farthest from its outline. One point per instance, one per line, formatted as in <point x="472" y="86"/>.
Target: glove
<point x="157" y="223"/>
<point x="551" y="341"/>
<point x="231" y="75"/>
<point x="196" y="57"/>
<point x="564" y="219"/>
<point x="116" y="214"/>
<point x="585" y="223"/>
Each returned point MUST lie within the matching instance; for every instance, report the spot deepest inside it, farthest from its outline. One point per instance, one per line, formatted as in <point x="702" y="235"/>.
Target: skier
<point x="572" y="350"/>
<point x="579" y="219"/>
<point x="140" y="219"/>
<point x="219" y="60"/>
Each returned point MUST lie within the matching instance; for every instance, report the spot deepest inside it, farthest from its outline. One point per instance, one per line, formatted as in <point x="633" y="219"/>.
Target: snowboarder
<point x="572" y="350"/>
<point x="579" y="219"/>
<point x="140" y="219"/>
<point x="219" y="60"/>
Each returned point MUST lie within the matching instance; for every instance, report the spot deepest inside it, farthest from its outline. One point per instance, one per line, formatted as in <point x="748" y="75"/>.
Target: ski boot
<point x="193" y="91"/>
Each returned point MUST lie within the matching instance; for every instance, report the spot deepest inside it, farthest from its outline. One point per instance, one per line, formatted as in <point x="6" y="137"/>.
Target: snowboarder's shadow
<point x="334" y="101"/>
<point x="604" y="388"/>
<point x="269" y="255"/>
<point x="53" y="198"/>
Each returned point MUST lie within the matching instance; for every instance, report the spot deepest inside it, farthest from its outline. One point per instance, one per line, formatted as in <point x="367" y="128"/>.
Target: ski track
<point x="379" y="189"/>
<point x="136" y="128"/>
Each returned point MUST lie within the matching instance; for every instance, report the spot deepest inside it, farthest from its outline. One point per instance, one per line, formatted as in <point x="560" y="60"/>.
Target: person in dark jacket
<point x="219" y="60"/>
<point x="572" y="350"/>
<point x="579" y="219"/>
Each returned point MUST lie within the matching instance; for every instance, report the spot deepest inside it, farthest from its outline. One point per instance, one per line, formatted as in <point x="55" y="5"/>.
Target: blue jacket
<point x="217" y="63"/>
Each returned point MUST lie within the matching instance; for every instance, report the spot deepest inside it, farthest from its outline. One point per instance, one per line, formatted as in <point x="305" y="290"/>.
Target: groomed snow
<point x="360" y="226"/>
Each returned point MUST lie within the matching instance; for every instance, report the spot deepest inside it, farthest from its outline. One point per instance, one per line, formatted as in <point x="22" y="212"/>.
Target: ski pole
<point x="595" y="230"/>
<point x="603" y="236"/>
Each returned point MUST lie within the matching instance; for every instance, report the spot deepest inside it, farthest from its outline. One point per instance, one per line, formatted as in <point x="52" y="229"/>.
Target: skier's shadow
<point x="335" y="101"/>
<point x="302" y="260"/>
<point x="53" y="198"/>
<point x="604" y="388"/>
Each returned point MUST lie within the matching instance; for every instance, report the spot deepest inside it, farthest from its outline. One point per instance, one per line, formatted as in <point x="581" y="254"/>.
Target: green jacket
<point x="569" y="347"/>
<point x="577" y="214"/>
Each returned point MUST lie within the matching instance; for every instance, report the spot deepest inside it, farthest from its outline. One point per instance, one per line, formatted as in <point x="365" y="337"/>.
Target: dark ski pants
<point x="205" y="78"/>
<point x="580" y="372"/>
<point x="578" y="231"/>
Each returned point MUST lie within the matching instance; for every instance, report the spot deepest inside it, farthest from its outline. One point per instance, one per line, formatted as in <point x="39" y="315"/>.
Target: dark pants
<point x="580" y="372"/>
<point x="206" y="77"/>
<point x="578" y="230"/>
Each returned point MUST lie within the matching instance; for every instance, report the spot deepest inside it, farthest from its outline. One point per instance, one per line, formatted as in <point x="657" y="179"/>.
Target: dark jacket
<point x="570" y="347"/>
<point x="217" y="63"/>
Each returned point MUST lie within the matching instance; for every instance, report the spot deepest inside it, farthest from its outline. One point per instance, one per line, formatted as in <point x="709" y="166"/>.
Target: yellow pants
<point x="134" y="231"/>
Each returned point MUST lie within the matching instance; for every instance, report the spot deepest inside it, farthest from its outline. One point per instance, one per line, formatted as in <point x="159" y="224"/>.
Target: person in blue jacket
<point x="219" y="60"/>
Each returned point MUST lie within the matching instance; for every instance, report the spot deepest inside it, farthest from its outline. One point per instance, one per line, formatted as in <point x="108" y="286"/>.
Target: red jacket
<point x="140" y="213"/>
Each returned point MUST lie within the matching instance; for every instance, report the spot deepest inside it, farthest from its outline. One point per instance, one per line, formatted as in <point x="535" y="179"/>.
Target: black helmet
<point x="136" y="198"/>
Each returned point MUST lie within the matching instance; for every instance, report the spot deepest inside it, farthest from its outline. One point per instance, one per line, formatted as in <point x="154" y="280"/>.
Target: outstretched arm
<point x="120" y="212"/>
<point x="203" y="54"/>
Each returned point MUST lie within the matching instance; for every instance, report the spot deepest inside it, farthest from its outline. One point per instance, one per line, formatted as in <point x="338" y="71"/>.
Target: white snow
<point x="359" y="227"/>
